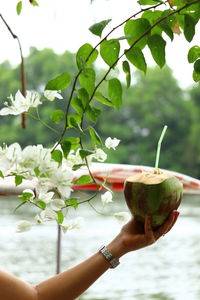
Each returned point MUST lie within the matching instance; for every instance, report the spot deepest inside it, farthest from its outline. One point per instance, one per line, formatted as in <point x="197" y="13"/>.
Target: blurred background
<point x="168" y="270"/>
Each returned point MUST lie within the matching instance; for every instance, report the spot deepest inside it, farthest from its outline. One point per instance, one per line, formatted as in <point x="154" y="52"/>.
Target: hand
<point x="134" y="235"/>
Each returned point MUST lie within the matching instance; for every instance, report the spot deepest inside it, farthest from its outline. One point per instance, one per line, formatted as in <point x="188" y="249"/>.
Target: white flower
<point x="111" y="143"/>
<point x="76" y="223"/>
<point x="23" y="226"/>
<point x="14" y="153"/>
<point x="52" y="94"/>
<point x="57" y="204"/>
<point x="74" y="158"/>
<point x="21" y="104"/>
<point x="46" y="197"/>
<point x="48" y="215"/>
<point x="62" y="180"/>
<point x="38" y="220"/>
<point x="106" y="197"/>
<point x="122" y="217"/>
<point x="99" y="155"/>
<point x="32" y="99"/>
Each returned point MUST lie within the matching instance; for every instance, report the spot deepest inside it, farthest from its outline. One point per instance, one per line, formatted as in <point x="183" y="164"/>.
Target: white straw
<point x="159" y="146"/>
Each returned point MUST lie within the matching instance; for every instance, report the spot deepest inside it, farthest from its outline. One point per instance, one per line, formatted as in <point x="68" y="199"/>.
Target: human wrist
<point x="117" y="247"/>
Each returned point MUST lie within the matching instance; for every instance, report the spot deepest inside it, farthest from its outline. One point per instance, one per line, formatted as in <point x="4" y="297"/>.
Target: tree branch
<point x="22" y="68"/>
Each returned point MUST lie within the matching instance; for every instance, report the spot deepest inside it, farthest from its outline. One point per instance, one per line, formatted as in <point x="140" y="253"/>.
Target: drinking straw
<point x="159" y="146"/>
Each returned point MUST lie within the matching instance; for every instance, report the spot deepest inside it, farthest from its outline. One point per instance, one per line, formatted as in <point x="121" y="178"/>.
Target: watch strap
<point x="114" y="262"/>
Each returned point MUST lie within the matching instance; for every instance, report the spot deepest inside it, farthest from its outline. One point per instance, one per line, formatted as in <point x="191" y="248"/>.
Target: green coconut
<point x="154" y="194"/>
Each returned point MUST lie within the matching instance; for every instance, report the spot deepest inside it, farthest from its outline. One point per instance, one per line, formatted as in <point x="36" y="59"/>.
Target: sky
<point x="63" y="25"/>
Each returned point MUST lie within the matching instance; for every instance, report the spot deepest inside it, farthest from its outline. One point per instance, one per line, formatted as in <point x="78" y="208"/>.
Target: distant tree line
<point x="152" y="101"/>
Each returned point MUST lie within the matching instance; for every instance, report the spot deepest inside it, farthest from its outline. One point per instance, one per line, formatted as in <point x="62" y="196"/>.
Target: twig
<point x="22" y="69"/>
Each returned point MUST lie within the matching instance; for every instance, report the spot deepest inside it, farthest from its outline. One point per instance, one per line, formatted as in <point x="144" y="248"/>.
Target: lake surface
<point x="167" y="270"/>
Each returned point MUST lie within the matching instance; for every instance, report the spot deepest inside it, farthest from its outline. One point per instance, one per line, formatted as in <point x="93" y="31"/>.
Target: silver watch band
<point x="114" y="262"/>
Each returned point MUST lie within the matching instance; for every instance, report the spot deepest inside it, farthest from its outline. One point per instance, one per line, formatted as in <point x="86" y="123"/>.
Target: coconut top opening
<point x="151" y="177"/>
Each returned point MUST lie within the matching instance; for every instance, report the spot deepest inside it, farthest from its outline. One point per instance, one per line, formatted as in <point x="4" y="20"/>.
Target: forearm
<point x="73" y="282"/>
<point x="67" y="285"/>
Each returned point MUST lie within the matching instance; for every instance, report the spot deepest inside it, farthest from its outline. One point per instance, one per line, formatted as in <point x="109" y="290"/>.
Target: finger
<point x="166" y="226"/>
<point x="149" y="234"/>
<point x="176" y="214"/>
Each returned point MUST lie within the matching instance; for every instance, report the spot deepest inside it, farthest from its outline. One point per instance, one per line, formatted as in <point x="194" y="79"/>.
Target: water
<point x="167" y="270"/>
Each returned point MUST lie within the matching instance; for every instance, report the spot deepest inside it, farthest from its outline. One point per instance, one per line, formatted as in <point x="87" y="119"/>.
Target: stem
<point x="87" y="164"/>
<point x="42" y="122"/>
<point x="100" y="212"/>
<point x="159" y="146"/>
<point x="86" y="200"/>
<point x="22" y="69"/>
<point x="58" y="250"/>
<point x="45" y="124"/>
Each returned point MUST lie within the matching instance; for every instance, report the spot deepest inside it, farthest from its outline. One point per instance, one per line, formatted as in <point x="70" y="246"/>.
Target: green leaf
<point x="18" y="179"/>
<point x="109" y="51"/>
<point x="87" y="80"/>
<point x="157" y="45"/>
<point x="60" y="216"/>
<point x="78" y="166"/>
<point x="74" y="141"/>
<point x="98" y="96"/>
<point x="196" y="76"/>
<point x="153" y="17"/>
<point x="136" y="29"/>
<point x="61" y="82"/>
<point x="74" y="120"/>
<point x="25" y="196"/>
<point x="94" y="135"/>
<point x="84" y="56"/>
<point x="72" y="202"/>
<point x="193" y="54"/>
<point x="34" y="3"/>
<point x="92" y="113"/>
<point x="19" y="7"/>
<point x="41" y="204"/>
<point x="136" y="57"/>
<point x="197" y="66"/>
<point x="192" y="10"/>
<point x="37" y="171"/>
<point x="98" y="28"/>
<point x="179" y="3"/>
<point x="127" y="71"/>
<point x="84" y="179"/>
<point x="57" y="115"/>
<point x="115" y="92"/>
<point x="77" y="105"/>
<point x="66" y="147"/>
<point x="83" y="96"/>
<point x="1" y="174"/>
<point x="57" y="156"/>
<point x="189" y="27"/>
<point x="167" y="29"/>
<point x="84" y="153"/>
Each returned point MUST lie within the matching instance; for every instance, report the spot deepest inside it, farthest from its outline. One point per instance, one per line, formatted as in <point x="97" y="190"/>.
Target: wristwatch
<point x="114" y="262"/>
